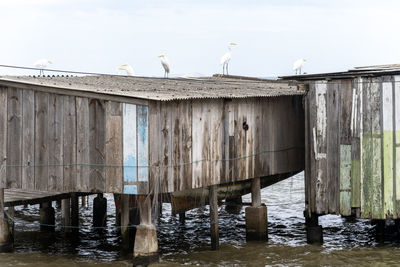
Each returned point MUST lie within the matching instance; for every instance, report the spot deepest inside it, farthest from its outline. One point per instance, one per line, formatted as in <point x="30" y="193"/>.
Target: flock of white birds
<point x="225" y="59"/>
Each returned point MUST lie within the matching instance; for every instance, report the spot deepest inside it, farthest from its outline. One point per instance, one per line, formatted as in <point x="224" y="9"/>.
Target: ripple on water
<point x="346" y="242"/>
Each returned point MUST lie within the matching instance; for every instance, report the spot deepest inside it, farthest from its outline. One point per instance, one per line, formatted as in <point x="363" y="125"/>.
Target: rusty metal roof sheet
<point x="165" y="89"/>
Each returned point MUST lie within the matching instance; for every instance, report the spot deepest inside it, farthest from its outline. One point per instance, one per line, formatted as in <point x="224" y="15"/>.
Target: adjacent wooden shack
<point x="137" y="135"/>
<point x="353" y="142"/>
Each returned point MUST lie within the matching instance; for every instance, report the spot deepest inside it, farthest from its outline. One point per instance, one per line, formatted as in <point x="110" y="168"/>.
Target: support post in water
<point x="83" y="201"/>
<point x="66" y="215"/>
<point x="6" y="234"/>
<point x="47" y="217"/>
<point x="314" y="231"/>
<point x="182" y="218"/>
<point x="256" y="215"/>
<point x="213" y="199"/>
<point x="99" y="211"/>
<point x="145" y="249"/>
<point x="124" y="217"/>
<point x="75" y="212"/>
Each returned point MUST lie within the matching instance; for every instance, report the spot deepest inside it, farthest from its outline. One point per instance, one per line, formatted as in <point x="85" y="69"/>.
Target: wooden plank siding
<point x="362" y="147"/>
<point x="69" y="143"/>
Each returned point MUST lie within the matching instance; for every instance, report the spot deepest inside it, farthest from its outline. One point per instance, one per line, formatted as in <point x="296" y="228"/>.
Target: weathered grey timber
<point x="352" y="142"/>
<point x="109" y="134"/>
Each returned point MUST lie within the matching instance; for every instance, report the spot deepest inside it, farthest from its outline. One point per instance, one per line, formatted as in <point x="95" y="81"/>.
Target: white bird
<point x="42" y="64"/>
<point x="298" y="65"/>
<point x="226" y="58"/>
<point x="128" y="68"/>
<point x="165" y="64"/>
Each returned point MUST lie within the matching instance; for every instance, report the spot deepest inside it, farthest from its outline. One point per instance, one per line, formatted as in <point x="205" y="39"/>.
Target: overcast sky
<point x="100" y="35"/>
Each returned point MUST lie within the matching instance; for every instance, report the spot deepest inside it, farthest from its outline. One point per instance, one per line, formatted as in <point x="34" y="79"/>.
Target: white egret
<point x="165" y="64"/>
<point x="226" y="58"/>
<point x="298" y="65"/>
<point x="128" y="68"/>
<point x="42" y="64"/>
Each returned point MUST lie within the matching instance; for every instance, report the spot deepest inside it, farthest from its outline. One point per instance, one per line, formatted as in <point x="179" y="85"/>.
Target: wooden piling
<point x="182" y="217"/>
<point x="214" y="217"/>
<point x="75" y="212"/>
<point x="6" y="237"/>
<point x="47" y="217"/>
<point x="255" y="192"/>
<point x="124" y="216"/>
<point x="99" y="211"/>
<point x="66" y="215"/>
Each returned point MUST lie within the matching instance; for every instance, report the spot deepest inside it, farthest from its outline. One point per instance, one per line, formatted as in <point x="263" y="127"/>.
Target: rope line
<point x="152" y="166"/>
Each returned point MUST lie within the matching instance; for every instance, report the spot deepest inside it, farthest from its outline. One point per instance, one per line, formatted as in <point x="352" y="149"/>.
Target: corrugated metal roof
<point x="165" y="89"/>
<point x="365" y="71"/>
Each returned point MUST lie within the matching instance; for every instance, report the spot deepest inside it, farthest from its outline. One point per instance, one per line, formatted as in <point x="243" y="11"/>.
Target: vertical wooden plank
<point x="41" y="141"/>
<point x="345" y="180"/>
<point x="28" y="139"/>
<point x="185" y="174"/>
<point x="366" y="151"/>
<point x="14" y="138"/>
<point x="114" y="158"/>
<point x="206" y="144"/>
<point x="250" y="135"/>
<point x="333" y="100"/>
<point x="129" y="143"/>
<point x="173" y="170"/>
<point x="155" y="145"/>
<point x="321" y="146"/>
<point x="313" y="149"/>
<point x="242" y="163"/>
<point x="143" y="143"/>
<point x="232" y="149"/>
<point x="377" y="183"/>
<point x="213" y="200"/>
<point x="70" y="144"/>
<point x="82" y="144"/>
<point x="397" y="140"/>
<point x="3" y="135"/>
<point x="258" y="138"/>
<point x="216" y="141"/>
<point x="307" y="168"/>
<point x="55" y="134"/>
<point x="198" y="124"/>
<point x="388" y="148"/>
<point x="97" y="140"/>
<point x="355" y="144"/>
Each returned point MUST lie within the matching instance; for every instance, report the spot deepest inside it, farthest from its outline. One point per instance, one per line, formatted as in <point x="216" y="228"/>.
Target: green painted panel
<point x="376" y="198"/>
<point x="345" y="180"/>
<point x="366" y="190"/>
<point x="388" y="172"/>
<point x="356" y="184"/>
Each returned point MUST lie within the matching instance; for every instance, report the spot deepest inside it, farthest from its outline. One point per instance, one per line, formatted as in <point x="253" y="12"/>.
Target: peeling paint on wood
<point x="345" y="180"/>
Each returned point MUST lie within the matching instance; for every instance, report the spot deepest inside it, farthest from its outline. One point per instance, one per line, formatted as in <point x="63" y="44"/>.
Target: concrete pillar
<point x="145" y="248"/>
<point x="314" y="231"/>
<point x="75" y="212"/>
<point x="256" y="215"/>
<point x="6" y="233"/>
<point x="47" y="217"/>
<point x="213" y="199"/>
<point x="66" y="215"/>
<point x="99" y="211"/>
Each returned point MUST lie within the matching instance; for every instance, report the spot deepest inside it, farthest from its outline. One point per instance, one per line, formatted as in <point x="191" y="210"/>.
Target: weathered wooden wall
<point x="72" y="143"/>
<point x="196" y="143"/>
<point x="353" y="141"/>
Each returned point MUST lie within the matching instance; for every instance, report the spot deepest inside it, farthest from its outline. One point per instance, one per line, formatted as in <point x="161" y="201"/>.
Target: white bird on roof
<point x="226" y="58"/>
<point x="42" y="64"/>
<point x="298" y="65"/>
<point x="165" y="64"/>
<point x="128" y="69"/>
